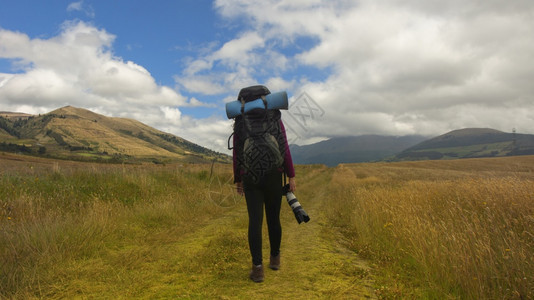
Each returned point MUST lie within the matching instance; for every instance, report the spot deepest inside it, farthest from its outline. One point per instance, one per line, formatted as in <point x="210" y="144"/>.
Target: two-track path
<point x="213" y="262"/>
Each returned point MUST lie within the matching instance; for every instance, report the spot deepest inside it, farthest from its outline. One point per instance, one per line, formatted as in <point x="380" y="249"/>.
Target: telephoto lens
<point x="299" y="212"/>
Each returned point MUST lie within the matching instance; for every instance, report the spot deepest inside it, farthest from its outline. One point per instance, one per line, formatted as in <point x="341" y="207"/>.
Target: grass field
<point x="461" y="229"/>
<point x="439" y="229"/>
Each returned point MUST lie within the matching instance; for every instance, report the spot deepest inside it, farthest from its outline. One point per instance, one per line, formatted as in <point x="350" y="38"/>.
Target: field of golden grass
<point x="442" y="229"/>
<point x="55" y="216"/>
<point x="458" y="229"/>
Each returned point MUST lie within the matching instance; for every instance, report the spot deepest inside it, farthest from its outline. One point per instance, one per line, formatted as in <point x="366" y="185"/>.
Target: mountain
<point x="76" y="133"/>
<point x="353" y="149"/>
<point x="470" y="143"/>
<point x="462" y="143"/>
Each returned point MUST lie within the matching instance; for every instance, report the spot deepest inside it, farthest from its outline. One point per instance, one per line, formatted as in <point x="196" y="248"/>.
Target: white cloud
<point x="276" y="84"/>
<point x="75" y="6"/>
<point x="194" y="102"/>
<point x="239" y="50"/>
<point x="202" y="84"/>
<point x="197" y="66"/>
<point x="171" y="113"/>
<point x="81" y="7"/>
<point x="78" y="68"/>
<point x="406" y="67"/>
<point x="234" y="65"/>
<point x="382" y="67"/>
<point x="233" y="53"/>
<point x="211" y="132"/>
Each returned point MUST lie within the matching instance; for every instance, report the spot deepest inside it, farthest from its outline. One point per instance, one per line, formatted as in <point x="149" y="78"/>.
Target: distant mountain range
<point x="79" y="134"/>
<point x="353" y="149"/>
<point x="471" y="143"/>
<point x="463" y="143"/>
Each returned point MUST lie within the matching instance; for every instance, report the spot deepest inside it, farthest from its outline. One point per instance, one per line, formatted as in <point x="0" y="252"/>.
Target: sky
<point x="350" y="67"/>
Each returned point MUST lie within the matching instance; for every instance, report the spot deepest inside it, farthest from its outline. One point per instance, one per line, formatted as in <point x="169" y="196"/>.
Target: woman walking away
<point x="261" y="156"/>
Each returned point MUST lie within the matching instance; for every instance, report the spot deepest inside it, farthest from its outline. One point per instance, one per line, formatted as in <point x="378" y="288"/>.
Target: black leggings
<point x="269" y="192"/>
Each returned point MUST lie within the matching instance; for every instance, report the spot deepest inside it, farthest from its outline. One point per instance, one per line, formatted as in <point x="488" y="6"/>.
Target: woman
<point x="262" y="189"/>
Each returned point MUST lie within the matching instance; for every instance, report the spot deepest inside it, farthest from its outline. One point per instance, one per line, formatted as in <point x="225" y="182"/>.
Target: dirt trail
<point x="214" y="261"/>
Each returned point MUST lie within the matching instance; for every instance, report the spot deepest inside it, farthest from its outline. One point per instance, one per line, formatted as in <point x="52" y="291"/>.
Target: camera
<point x="299" y="212"/>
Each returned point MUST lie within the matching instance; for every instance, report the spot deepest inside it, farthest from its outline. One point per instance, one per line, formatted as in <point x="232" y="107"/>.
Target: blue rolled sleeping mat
<point x="274" y="101"/>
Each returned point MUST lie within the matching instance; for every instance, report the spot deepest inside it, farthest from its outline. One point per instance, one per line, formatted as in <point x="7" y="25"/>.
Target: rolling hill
<point x="462" y="143"/>
<point x="76" y="133"/>
<point x="470" y="143"/>
<point x="352" y="149"/>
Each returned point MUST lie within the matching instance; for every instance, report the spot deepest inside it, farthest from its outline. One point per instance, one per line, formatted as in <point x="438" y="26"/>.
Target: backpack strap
<point x="267" y="114"/>
<point x="229" y="138"/>
<point x="264" y="101"/>
<point x="233" y="133"/>
<point x="245" y="125"/>
<point x="242" y="100"/>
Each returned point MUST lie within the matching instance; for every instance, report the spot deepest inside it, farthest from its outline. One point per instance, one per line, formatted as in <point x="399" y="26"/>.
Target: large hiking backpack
<point x="260" y="144"/>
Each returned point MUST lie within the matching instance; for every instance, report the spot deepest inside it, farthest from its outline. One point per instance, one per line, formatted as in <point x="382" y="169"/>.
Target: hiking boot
<point x="274" y="262"/>
<point x="256" y="274"/>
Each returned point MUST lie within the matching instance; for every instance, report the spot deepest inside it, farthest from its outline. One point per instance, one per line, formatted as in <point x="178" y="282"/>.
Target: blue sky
<point x="152" y="35"/>
<point x="372" y="67"/>
<point x="158" y="36"/>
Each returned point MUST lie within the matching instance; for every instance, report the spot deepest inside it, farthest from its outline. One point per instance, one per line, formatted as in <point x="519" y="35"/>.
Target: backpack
<point x="261" y="145"/>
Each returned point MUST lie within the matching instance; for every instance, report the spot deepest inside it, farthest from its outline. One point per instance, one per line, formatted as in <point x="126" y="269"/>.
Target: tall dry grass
<point x="462" y="229"/>
<point x="56" y="214"/>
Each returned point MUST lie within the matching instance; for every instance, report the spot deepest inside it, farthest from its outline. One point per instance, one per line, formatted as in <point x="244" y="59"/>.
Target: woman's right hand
<point x="239" y="186"/>
<point x="292" y="184"/>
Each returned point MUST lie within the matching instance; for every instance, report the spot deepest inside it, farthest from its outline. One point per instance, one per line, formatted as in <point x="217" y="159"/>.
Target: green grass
<point x="475" y="150"/>
<point x="93" y="221"/>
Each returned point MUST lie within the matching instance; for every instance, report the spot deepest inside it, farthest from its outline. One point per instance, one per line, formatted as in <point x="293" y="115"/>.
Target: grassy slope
<point x="90" y="134"/>
<point x="112" y="135"/>
<point x="470" y="143"/>
<point x="4" y="136"/>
